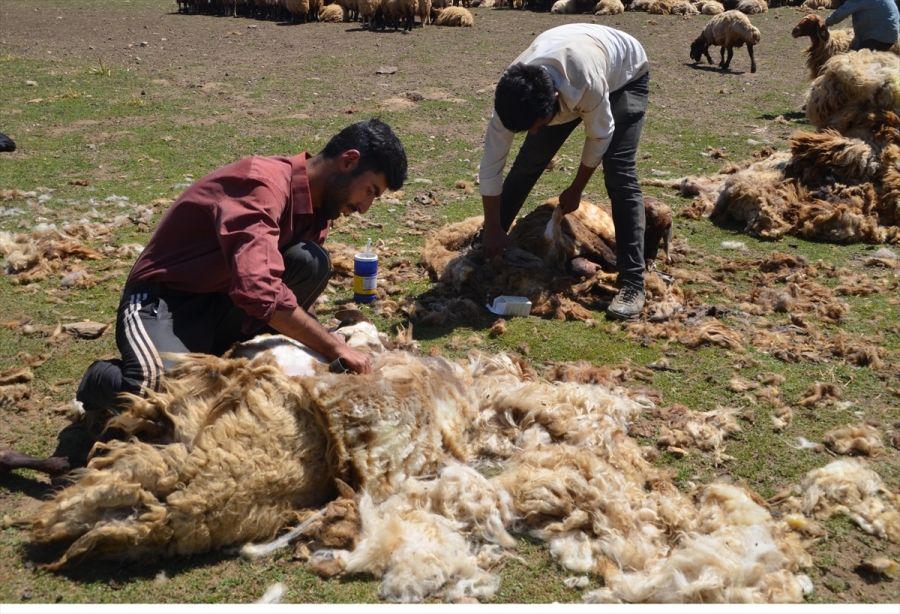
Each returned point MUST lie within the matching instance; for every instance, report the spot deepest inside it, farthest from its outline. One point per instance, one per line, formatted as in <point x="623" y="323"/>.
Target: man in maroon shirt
<point x="240" y="251"/>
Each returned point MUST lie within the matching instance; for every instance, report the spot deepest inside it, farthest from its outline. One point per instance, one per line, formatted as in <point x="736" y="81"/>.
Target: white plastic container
<point x="510" y="306"/>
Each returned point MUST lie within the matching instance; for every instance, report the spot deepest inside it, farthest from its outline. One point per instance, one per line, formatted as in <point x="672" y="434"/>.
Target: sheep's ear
<point x="823" y="33"/>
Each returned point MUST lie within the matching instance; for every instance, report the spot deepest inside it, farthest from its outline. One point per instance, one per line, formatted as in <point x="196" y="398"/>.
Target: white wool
<point x="886" y="254"/>
<point x="577" y="581"/>
<point x="732" y="564"/>
<point x="257" y="551"/>
<point x="463" y="495"/>
<point x="724" y="503"/>
<point x="573" y="551"/>
<point x="274" y="593"/>
<point x="736" y="245"/>
<point x="416" y="553"/>
<point x="805" y="444"/>
<point x="848" y="486"/>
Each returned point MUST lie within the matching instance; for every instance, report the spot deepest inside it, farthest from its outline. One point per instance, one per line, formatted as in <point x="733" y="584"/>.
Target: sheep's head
<point x="812" y="26"/>
<point x="698" y="47"/>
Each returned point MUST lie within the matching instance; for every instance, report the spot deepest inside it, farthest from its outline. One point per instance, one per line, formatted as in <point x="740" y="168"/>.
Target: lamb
<point x="712" y="8"/>
<point x="729" y="29"/>
<point x="609" y="7"/>
<point x="455" y="16"/>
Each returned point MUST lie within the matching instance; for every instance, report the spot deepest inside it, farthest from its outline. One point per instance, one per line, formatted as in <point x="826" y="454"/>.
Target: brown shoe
<point x="627" y="304"/>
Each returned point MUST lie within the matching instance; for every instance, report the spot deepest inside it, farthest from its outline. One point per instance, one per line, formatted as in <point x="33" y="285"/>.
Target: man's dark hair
<point x="380" y="151"/>
<point x="524" y="94"/>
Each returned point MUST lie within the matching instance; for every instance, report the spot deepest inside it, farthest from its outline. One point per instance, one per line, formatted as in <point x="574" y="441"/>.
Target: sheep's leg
<point x="752" y="59"/>
<point x="727" y="63"/>
<point x="708" y="59"/>
<point x="55" y="465"/>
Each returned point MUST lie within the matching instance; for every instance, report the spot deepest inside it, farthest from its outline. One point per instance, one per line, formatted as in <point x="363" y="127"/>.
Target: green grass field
<point x="88" y="113"/>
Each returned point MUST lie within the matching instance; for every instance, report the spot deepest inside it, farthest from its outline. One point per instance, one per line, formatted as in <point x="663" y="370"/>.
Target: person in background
<point x="876" y="23"/>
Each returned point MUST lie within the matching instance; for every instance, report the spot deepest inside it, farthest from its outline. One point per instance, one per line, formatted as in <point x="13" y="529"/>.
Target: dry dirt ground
<point x="214" y="56"/>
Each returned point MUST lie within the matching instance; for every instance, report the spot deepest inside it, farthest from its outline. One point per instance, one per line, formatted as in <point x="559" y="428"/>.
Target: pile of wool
<point x="34" y="256"/>
<point x="841" y="184"/>
<point x="564" y="264"/>
<point x="849" y="487"/>
<point x="247" y="450"/>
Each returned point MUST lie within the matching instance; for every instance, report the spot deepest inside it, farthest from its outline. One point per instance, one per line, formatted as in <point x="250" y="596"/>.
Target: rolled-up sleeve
<point x="497" y="143"/>
<point x="247" y="225"/>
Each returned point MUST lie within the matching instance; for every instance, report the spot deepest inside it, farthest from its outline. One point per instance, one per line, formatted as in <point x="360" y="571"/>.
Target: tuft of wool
<point x="849" y="487"/>
<point x="859" y="439"/>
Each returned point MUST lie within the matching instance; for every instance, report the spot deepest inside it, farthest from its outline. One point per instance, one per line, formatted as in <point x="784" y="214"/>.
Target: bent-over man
<point x="572" y="74"/>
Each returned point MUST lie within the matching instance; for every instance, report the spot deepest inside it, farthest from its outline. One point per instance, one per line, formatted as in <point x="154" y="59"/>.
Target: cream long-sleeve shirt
<point x="586" y="62"/>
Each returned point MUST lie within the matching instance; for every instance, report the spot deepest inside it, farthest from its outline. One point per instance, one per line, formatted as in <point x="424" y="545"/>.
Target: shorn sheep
<point x="729" y="29"/>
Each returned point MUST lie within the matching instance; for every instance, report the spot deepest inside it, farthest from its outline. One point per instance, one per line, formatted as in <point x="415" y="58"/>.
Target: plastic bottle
<point x="365" y="275"/>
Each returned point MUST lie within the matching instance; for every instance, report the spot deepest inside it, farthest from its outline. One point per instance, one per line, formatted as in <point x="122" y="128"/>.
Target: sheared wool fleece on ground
<point x="250" y="450"/>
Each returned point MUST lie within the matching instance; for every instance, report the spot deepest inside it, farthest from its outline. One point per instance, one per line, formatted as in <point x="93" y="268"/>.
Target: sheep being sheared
<point x="729" y="30"/>
<point x="253" y="450"/>
<point x="249" y="446"/>
<point x="549" y="256"/>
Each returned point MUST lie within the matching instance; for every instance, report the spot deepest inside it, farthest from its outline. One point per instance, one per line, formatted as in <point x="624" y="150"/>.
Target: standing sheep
<point x="368" y="9"/>
<point x="729" y="30"/>
<point x="423" y="10"/>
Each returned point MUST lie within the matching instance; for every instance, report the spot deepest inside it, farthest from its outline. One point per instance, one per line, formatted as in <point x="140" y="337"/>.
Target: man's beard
<point x="337" y="194"/>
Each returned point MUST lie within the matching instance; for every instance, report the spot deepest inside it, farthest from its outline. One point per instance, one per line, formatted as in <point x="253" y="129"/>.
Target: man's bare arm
<point x="300" y="325"/>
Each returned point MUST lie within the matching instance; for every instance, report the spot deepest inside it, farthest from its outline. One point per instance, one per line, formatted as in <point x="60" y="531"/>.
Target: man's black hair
<point x="524" y="94"/>
<point x="380" y="151"/>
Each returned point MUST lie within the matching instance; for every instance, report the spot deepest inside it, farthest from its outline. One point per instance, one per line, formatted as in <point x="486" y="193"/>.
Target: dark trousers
<point x="873" y="45"/>
<point x="154" y="323"/>
<point x="629" y="105"/>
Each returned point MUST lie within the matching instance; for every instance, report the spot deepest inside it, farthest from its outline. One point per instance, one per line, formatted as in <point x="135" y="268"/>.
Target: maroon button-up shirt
<point x="223" y="234"/>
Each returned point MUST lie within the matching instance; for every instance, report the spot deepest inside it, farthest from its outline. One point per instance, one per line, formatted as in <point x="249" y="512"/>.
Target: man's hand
<point x="355" y="360"/>
<point x="570" y="199"/>
<point x="494" y="242"/>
